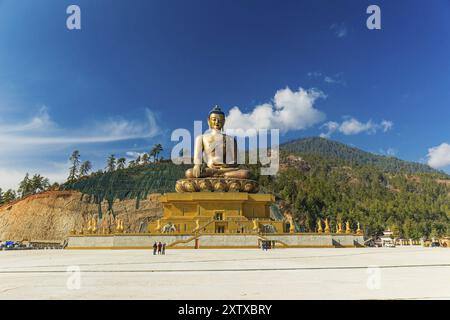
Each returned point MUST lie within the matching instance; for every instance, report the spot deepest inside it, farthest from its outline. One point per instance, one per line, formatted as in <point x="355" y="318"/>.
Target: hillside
<point x="330" y="149"/>
<point x="52" y="215"/>
<point x="318" y="179"/>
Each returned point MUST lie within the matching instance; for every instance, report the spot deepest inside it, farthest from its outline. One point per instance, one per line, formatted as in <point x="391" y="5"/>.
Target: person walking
<point x="159" y="247"/>
<point x="155" y="247"/>
<point x="164" y="248"/>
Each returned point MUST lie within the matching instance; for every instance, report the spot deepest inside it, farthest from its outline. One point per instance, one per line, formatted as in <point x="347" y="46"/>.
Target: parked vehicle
<point x="435" y="244"/>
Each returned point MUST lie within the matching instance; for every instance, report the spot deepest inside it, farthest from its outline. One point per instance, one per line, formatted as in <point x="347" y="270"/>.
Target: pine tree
<point x="25" y="187"/>
<point x="74" y="169"/>
<point x="111" y="163"/>
<point x="9" y="196"/>
<point x="85" y="167"/>
<point x="121" y="163"/>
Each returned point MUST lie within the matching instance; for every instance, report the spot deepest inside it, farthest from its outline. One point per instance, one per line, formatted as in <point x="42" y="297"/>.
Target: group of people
<point x="159" y="248"/>
<point x="266" y="245"/>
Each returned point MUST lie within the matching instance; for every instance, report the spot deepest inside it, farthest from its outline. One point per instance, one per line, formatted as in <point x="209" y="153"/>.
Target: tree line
<point x="80" y="169"/>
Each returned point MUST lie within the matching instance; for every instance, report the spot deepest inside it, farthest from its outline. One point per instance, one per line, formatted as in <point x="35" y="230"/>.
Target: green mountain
<point x="329" y="149"/>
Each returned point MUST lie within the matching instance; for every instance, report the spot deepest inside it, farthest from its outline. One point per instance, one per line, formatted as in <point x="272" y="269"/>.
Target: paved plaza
<point x="357" y="273"/>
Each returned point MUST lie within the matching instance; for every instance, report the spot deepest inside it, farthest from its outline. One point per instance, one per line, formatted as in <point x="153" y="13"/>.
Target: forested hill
<point x="329" y="149"/>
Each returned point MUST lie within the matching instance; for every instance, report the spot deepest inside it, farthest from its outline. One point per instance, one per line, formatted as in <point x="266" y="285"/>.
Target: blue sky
<point x="139" y="69"/>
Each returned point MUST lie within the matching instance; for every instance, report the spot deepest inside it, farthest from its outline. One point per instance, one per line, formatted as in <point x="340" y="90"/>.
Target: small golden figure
<point x="220" y="151"/>
<point x="327" y="226"/>
<point x="197" y="225"/>
<point x="319" y="226"/>
<point x="158" y="225"/>
<point x="118" y="227"/>
<point x="255" y="225"/>
<point x="339" y="228"/>
<point x="359" y="231"/>
<point x="347" y="228"/>
<point x="89" y="228"/>
<point x="291" y="224"/>
<point x="94" y="225"/>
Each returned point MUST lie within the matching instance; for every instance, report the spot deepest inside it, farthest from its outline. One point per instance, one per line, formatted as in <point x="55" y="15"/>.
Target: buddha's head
<point x="216" y="118"/>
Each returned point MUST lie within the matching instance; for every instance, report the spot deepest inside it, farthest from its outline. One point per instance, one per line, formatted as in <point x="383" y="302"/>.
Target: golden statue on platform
<point x="339" y="228"/>
<point x="94" y="225"/>
<point x="359" y="231"/>
<point x="220" y="151"/>
<point x="89" y="228"/>
<point x="220" y="172"/>
<point x="327" y="226"/>
<point x="119" y="226"/>
<point x="347" y="227"/>
<point x="319" y="226"/>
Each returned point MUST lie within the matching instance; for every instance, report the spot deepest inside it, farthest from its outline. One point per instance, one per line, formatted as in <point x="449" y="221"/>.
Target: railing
<point x="197" y="230"/>
<point x="261" y="237"/>
<point x="183" y="241"/>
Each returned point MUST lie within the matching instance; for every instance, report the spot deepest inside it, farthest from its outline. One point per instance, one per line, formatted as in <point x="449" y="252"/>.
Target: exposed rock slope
<point x="52" y="215"/>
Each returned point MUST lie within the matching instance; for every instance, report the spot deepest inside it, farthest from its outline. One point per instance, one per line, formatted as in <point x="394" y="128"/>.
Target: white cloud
<point x="386" y="125"/>
<point x="289" y="110"/>
<point x="439" y="157"/>
<point x="335" y="79"/>
<point x="353" y="126"/>
<point x="390" y="152"/>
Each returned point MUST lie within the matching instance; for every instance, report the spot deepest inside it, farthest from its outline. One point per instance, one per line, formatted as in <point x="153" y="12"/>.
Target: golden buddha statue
<point x="220" y="151"/>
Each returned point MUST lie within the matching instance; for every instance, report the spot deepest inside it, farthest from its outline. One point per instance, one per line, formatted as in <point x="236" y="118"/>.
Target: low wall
<point x="302" y="240"/>
<point x="146" y="241"/>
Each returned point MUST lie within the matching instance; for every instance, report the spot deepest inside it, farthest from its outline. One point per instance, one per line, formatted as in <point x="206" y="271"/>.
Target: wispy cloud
<point x="41" y="130"/>
<point x="353" y="126"/>
<point x="339" y="29"/>
<point x="390" y="152"/>
<point x="337" y="78"/>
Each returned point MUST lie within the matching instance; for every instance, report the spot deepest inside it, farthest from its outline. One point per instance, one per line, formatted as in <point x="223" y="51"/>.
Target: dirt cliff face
<point x="52" y="215"/>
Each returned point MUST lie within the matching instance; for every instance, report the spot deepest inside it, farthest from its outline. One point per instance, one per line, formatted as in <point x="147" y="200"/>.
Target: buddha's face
<point x="216" y="121"/>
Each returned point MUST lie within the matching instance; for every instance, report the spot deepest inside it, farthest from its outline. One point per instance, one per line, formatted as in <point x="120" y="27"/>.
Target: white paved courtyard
<point x="360" y="273"/>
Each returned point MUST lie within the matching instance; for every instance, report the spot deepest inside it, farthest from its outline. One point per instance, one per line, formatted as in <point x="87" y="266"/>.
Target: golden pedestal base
<point x="215" y="213"/>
